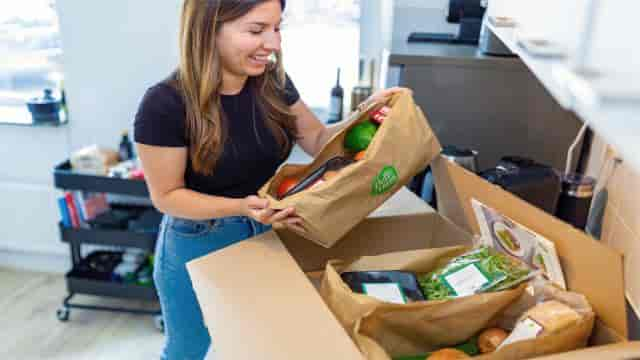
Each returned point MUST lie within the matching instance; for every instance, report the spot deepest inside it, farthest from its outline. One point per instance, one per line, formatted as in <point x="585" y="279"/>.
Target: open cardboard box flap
<point x="621" y="351"/>
<point x="404" y="222"/>
<point x="590" y="267"/>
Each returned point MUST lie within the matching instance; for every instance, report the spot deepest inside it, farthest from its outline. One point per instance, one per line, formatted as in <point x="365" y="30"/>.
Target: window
<point x="330" y="30"/>
<point x="31" y="56"/>
<point x="322" y="35"/>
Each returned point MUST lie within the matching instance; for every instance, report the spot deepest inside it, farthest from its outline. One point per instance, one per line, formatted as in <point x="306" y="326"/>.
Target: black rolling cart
<point x="67" y="180"/>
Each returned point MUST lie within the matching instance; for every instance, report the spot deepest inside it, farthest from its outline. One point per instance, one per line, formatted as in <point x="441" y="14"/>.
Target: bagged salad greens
<point x="480" y="270"/>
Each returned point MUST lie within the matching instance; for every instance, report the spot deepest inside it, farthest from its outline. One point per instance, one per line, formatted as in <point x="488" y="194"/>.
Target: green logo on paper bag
<point x="385" y="180"/>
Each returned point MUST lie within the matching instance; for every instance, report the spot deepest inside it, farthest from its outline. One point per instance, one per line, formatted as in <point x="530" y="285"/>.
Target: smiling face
<point x="246" y="43"/>
<point x="222" y="43"/>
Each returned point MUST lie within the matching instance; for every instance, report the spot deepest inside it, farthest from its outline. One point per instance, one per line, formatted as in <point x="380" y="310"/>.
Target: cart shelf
<point x="109" y="237"/>
<point x="82" y="285"/>
<point x="65" y="178"/>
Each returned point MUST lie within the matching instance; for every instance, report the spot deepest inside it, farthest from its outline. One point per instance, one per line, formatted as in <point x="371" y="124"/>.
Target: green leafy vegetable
<point x="505" y="236"/>
<point x="504" y="271"/>
<point x="470" y="347"/>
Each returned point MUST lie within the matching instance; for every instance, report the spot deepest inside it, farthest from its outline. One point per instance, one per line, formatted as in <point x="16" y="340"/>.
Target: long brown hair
<point x="199" y="78"/>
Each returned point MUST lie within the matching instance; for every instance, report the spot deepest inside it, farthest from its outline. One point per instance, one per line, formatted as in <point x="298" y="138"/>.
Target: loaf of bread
<point x="553" y="316"/>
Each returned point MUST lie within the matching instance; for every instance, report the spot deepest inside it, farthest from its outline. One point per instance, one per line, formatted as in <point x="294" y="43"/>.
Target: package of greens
<point x="478" y="271"/>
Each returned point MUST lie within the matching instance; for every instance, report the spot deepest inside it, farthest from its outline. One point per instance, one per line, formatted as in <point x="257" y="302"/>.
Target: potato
<point x="448" y="354"/>
<point x="490" y="339"/>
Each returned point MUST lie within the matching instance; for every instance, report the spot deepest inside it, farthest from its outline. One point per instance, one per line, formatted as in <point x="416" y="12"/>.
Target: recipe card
<point x="512" y="238"/>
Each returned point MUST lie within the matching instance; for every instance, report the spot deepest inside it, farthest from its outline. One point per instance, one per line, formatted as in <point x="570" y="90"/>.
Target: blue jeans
<point x="179" y="242"/>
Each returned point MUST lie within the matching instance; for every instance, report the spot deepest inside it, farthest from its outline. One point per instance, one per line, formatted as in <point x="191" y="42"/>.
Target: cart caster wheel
<point x="158" y="322"/>
<point x="63" y="314"/>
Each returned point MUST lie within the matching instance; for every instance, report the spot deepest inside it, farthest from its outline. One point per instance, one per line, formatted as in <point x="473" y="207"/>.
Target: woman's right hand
<point x="258" y="209"/>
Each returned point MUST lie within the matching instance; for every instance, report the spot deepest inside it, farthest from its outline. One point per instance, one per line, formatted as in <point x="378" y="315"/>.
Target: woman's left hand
<point x="381" y="96"/>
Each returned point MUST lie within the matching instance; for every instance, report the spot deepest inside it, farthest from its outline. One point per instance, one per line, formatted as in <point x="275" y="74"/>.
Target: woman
<point x="208" y="137"/>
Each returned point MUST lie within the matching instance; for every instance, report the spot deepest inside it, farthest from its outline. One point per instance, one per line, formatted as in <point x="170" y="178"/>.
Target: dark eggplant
<point x="335" y="163"/>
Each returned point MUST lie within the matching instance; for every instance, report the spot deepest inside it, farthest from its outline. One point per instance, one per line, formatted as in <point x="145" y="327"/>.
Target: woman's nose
<point x="272" y="41"/>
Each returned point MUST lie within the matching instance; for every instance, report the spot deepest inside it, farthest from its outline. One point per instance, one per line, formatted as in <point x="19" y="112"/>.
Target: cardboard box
<point x="259" y="304"/>
<point x="621" y="219"/>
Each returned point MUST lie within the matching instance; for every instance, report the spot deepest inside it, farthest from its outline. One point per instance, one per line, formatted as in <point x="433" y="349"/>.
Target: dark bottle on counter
<point x="63" y="101"/>
<point x="335" y="107"/>
<point x="126" y="147"/>
<point x="575" y="199"/>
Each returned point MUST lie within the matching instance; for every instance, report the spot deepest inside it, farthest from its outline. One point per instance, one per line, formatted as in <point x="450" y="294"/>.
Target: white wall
<point x="615" y="39"/>
<point x="433" y="18"/>
<point x="28" y="211"/>
<point x="376" y="26"/>
<point x="113" y="50"/>
<point x="383" y="22"/>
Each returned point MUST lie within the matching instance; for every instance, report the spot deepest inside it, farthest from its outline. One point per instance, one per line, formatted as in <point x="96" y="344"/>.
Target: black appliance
<point x="468" y="13"/>
<point x="98" y="265"/>
<point x="423" y="183"/>
<point x="536" y="183"/>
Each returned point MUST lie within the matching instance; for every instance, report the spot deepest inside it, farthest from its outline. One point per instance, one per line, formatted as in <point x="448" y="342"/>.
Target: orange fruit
<point x="490" y="339"/>
<point x="329" y="174"/>
<point x="360" y="155"/>
<point x="448" y="354"/>
<point x="286" y="185"/>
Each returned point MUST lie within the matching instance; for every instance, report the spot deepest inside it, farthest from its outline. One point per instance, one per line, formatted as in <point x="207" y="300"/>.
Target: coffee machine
<point x="536" y="183"/>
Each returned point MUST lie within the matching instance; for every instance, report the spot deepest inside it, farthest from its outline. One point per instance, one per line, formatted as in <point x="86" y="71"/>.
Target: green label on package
<point x="385" y="180"/>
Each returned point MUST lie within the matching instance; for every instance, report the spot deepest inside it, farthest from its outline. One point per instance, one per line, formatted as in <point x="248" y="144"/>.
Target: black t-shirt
<point x="250" y="155"/>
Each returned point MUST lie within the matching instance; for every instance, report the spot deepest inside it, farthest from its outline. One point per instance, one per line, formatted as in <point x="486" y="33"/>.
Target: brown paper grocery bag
<point x="569" y="339"/>
<point x="382" y="330"/>
<point x="403" y="146"/>
<point x="408" y="329"/>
